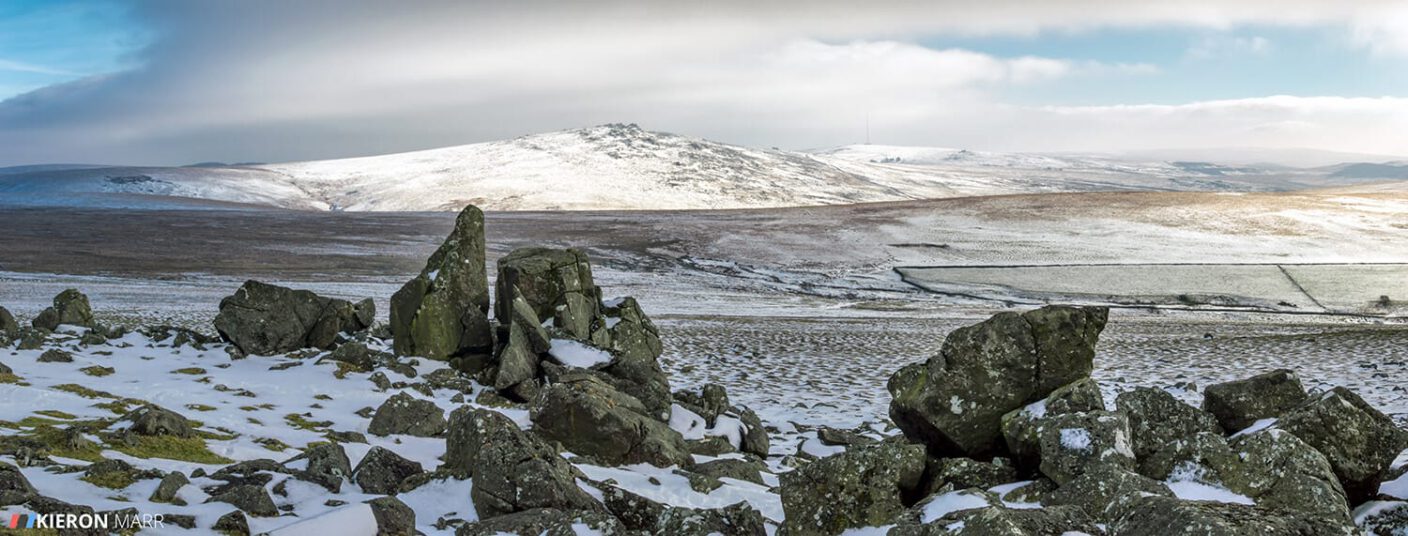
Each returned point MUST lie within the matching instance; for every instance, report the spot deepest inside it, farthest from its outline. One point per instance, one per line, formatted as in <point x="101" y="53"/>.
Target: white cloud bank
<point x="265" y="80"/>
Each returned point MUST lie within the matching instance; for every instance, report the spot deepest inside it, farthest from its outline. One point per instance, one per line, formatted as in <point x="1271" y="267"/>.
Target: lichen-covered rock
<point x="591" y="418"/>
<point x="954" y="402"/>
<point x="234" y="523"/>
<point x="1167" y="516"/>
<point x="167" y="491"/>
<point x="249" y="498"/>
<point x="70" y="308"/>
<point x="1281" y="472"/>
<point x="381" y="471"/>
<point x="1156" y="418"/>
<point x="13" y="482"/>
<point x="1019" y="426"/>
<point x="264" y="319"/>
<point x="153" y="420"/>
<point x="393" y="517"/>
<point x="1239" y="404"/>
<point x="1073" y="443"/>
<point x="324" y="464"/>
<point x="964" y="473"/>
<point x="513" y="471"/>
<point x="524" y="341"/>
<point x="405" y="414"/>
<point x="1003" y="521"/>
<point x="1106" y="492"/>
<point x="749" y="471"/>
<point x="1359" y="441"/>
<point x="1203" y="449"/>
<point x="55" y="355"/>
<point x="443" y="312"/>
<point x="545" y="522"/>
<point x="862" y="487"/>
<point x="556" y="283"/>
<point x="8" y="326"/>
<point x="641" y="514"/>
<point x="635" y="346"/>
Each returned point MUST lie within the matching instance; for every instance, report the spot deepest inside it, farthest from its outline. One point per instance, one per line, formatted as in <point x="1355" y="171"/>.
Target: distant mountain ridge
<point x="625" y="167"/>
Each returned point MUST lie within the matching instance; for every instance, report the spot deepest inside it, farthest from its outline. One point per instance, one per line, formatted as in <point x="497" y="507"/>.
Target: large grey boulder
<point x="1167" y="516"/>
<point x="635" y="345"/>
<point x="513" y="471"/>
<point x="1281" y="472"/>
<point x="556" y="283"/>
<point x="591" y="418"/>
<point x="1073" y="443"/>
<point x="381" y="471"/>
<point x="443" y="313"/>
<point x="1157" y="418"/>
<point x="1239" y="404"/>
<point x="393" y="517"/>
<point x="995" y="520"/>
<point x="405" y="414"/>
<point x="1359" y="441"/>
<point x="1106" y="492"/>
<point x="8" y="326"/>
<point x="1019" y="426"/>
<point x="954" y="402"/>
<point x="70" y="308"/>
<point x="862" y="487"/>
<point x="264" y="319"/>
<point x="154" y="420"/>
<point x="545" y="522"/>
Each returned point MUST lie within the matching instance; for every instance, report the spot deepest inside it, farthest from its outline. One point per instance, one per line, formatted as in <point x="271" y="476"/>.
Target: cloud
<point x="1213" y="46"/>
<point x="271" y="80"/>
<point x="22" y="67"/>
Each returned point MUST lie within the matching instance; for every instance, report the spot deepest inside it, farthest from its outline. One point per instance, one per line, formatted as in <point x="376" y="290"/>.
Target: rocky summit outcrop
<point x="70" y="308"/>
<point x="955" y="401"/>
<point x="443" y="313"/>
<point x="264" y="319"/>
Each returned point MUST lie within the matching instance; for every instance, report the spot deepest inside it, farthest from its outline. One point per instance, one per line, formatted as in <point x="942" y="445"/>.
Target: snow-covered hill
<point x="624" y="167"/>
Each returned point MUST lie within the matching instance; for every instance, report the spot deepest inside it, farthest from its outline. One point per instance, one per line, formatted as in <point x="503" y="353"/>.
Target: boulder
<point x="639" y="513"/>
<point x="591" y="418"/>
<point x="264" y="319"/>
<point x="249" y="498"/>
<point x="381" y="471"/>
<point x="545" y="522"/>
<point x="995" y="520"/>
<point x="1072" y="444"/>
<point x="1359" y="441"/>
<point x="405" y="414"/>
<point x="748" y="471"/>
<point x="443" y="313"/>
<point x="55" y="355"/>
<point x="326" y="464"/>
<point x="1167" y="516"/>
<point x="393" y="517"/>
<point x="153" y="420"/>
<point x="955" y="401"/>
<point x="513" y="471"/>
<point x="167" y="491"/>
<point x="234" y="523"/>
<point x="636" y="348"/>
<point x="1239" y="404"/>
<point x="13" y="482"/>
<point x="1106" y="492"/>
<point x="524" y="341"/>
<point x="556" y="283"/>
<point x="964" y="473"/>
<point x="8" y="326"/>
<point x="1156" y="418"/>
<point x="70" y="308"/>
<point x="1019" y="426"/>
<point x="862" y="487"/>
<point x="1281" y="472"/>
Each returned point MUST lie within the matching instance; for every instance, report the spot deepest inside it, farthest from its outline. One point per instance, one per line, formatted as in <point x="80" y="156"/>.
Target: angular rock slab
<point x="264" y="319"/>
<point x="862" y="487"/>
<point x="443" y="312"/>
<point x="1359" y="441"/>
<point x="954" y="402"/>
<point x="591" y="418"/>
<point x="513" y="471"/>
<point x="1239" y="404"/>
<point x="556" y="283"/>
<point x="70" y="308"/>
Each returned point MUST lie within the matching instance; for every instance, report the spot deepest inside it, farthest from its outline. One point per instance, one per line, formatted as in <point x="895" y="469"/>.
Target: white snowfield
<point x="623" y="167"/>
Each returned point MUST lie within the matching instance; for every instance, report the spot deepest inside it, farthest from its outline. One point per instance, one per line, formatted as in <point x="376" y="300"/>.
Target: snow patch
<point x="575" y="354"/>
<point x="951" y="502"/>
<point x="1075" y="439"/>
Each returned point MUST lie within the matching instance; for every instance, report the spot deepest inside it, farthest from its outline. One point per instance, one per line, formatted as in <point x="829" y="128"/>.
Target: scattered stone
<point x="1075" y="442"/>
<point x="264" y="319"/>
<point x="184" y="521"/>
<point x="393" y="517"/>
<point x="355" y="354"/>
<point x="964" y="473"/>
<point x="153" y="420"/>
<point x="443" y="312"/>
<point x="1239" y="404"/>
<point x="954" y="402"/>
<point x="381" y="471"/>
<point x="838" y="437"/>
<point x="327" y="466"/>
<point x="233" y="523"/>
<point x="8" y="326"/>
<point x="1106" y="492"/>
<point x="1157" y="418"/>
<point x="590" y="418"/>
<point x="1359" y="441"/>
<point x="55" y="356"/>
<point x="862" y="487"/>
<point x="70" y="308"/>
<point x="249" y="498"/>
<point x="748" y="471"/>
<point x="405" y="414"/>
<point x="1167" y="516"/>
<point x="347" y="437"/>
<point x="167" y="491"/>
<point x="513" y="471"/>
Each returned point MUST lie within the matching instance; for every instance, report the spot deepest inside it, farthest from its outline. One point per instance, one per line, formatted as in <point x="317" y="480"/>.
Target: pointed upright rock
<point x="444" y="312"/>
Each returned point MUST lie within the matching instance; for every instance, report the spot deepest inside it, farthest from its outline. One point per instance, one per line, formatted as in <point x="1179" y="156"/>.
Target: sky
<point x="172" y="82"/>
